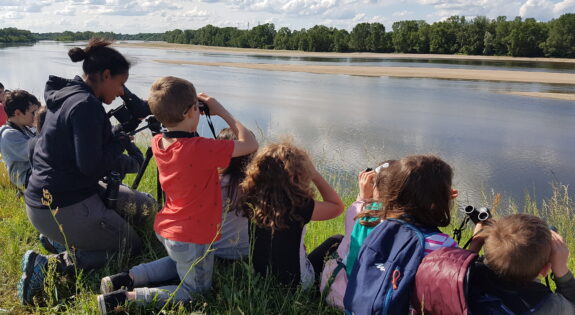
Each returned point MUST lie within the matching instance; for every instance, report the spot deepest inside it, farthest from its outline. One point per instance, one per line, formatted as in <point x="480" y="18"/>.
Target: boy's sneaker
<point x="115" y="282"/>
<point x="107" y="303"/>
<point x="31" y="283"/>
<point x="51" y="246"/>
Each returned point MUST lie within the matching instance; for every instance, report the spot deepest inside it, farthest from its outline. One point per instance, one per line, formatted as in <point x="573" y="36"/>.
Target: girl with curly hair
<point x="278" y="197"/>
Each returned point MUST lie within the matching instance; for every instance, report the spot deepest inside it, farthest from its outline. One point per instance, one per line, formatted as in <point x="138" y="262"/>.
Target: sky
<point x="129" y="17"/>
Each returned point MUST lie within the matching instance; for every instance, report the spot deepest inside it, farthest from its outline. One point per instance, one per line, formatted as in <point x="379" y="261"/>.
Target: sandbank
<point x="295" y="53"/>
<point x="402" y="72"/>
<point x="555" y="96"/>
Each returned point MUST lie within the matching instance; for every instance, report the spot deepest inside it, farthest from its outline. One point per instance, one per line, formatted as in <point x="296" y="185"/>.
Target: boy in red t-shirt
<point x="189" y="223"/>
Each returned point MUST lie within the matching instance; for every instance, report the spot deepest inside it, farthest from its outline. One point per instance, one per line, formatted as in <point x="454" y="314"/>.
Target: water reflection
<point x="497" y="142"/>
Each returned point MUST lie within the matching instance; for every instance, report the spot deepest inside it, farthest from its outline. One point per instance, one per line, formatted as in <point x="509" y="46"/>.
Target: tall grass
<point x="236" y="289"/>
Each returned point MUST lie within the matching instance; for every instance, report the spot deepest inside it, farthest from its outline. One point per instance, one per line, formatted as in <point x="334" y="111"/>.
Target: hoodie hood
<point x="59" y="89"/>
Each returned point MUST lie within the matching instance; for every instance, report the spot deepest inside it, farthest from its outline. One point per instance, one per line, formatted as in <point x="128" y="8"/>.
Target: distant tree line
<point x="68" y="36"/>
<point x="14" y="35"/>
<point x="456" y="35"/>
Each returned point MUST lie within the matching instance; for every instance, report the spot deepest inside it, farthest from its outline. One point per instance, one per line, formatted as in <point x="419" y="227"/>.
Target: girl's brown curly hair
<point x="277" y="182"/>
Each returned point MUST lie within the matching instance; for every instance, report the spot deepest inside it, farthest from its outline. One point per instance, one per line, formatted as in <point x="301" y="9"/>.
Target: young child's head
<point x="417" y="188"/>
<point x="236" y="170"/>
<point x="518" y="247"/>
<point x="39" y="118"/>
<point x="21" y="107"/>
<point x="173" y="100"/>
<point x="278" y="181"/>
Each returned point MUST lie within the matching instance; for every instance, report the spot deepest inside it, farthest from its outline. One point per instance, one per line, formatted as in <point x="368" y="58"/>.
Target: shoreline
<point x="297" y="53"/>
<point x="401" y="72"/>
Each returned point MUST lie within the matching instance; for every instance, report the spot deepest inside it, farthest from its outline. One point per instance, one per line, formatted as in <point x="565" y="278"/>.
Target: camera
<point x="131" y="112"/>
<point x="477" y="215"/>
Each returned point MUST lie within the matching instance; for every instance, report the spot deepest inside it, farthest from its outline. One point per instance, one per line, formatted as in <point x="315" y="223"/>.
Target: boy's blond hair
<point x="170" y="98"/>
<point x="518" y="247"/>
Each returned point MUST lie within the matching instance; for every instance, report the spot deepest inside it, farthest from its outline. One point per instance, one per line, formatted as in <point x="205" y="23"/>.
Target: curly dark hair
<point x="278" y="181"/>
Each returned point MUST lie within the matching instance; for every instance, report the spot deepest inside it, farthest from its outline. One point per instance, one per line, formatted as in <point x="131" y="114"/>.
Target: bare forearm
<point x="243" y="133"/>
<point x="326" y="191"/>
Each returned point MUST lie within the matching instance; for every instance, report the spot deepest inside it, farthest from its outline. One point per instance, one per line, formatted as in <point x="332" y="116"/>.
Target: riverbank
<point x="236" y="289"/>
<point x="297" y="53"/>
<point x="402" y="72"/>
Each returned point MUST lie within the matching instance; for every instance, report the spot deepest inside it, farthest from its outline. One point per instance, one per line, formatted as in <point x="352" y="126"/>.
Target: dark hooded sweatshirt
<point x="75" y="147"/>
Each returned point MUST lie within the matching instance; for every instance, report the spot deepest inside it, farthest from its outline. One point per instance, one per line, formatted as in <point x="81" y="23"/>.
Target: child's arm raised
<point x="246" y="142"/>
<point x="331" y="206"/>
<point x="561" y="274"/>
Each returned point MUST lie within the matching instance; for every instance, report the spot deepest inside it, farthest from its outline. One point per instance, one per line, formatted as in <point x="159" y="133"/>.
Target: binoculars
<point x="112" y="189"/>
<point x="477" y="215"/>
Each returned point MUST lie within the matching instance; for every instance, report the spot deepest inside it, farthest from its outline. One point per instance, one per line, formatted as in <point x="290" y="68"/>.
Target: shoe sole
<point x="27" y="266"/>
<point x="106" y="285"/>
<point x="102" y="305"/>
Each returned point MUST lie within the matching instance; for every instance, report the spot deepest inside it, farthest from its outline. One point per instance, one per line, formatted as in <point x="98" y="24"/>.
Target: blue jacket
<point x="75" y="147"/>
<point x="14" y="149"/>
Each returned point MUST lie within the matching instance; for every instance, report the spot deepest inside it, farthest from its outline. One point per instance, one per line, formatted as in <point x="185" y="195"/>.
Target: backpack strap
<point x="340" y="266"/>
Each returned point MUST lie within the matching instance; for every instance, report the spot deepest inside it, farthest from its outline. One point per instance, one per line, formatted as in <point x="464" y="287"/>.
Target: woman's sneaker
<point x="51" y="246"/>
<point x="107" y="303"/>
<point x="118" y="281"/>
<point x="31" y="283"/>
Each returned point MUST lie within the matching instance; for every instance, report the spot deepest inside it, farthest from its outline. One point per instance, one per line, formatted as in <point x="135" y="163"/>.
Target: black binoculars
<point x="477" y="215"/>
<point x="112" y="189"/>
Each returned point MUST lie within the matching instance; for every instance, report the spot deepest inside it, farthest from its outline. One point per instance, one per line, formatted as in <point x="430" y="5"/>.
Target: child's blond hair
<point x="170" y="98"/>
<point x="518" y="247"/>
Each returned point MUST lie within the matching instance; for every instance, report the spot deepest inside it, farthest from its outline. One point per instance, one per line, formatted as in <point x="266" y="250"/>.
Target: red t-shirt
<point x="188" y="171"/>
<point x="3" y="115"/>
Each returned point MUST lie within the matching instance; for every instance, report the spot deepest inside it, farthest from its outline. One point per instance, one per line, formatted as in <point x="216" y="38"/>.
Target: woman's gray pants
<point x="93" y="231"/>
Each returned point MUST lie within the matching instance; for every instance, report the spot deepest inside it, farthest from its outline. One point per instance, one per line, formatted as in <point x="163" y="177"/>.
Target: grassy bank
<point x="236" y="289"/>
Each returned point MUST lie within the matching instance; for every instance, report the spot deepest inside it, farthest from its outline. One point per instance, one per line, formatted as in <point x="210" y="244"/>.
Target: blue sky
<point x="127" y="16"/>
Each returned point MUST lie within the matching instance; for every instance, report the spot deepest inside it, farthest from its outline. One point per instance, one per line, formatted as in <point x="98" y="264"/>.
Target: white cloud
<point x="546" y="9"/>
<point x="132" y="16"/>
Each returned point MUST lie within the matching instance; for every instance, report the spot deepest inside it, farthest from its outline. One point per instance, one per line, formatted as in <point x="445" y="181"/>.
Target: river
<point x="496" y="143"/>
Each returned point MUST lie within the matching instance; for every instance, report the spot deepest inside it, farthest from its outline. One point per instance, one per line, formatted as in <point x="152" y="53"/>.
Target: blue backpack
<point x="381" y="281"/>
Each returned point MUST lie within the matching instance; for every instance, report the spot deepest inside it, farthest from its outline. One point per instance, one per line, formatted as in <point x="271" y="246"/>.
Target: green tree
<point x="262" y="36"/>
<point x="340" y="41"/>
<point x="443" y="38"/>
<point x="526" y="38"/>
<point x="359" y="36"/>
<point x="282" y="40"/>
<point x="561" y="39"/>
<point x="406" y="36"/>
<point x="472" y="36"/>
<point x="320" y="38"/>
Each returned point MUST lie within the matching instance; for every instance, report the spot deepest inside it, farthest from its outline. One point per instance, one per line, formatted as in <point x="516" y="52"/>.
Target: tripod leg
<point x="138" y="178"/>
<point x="159" y="192"/>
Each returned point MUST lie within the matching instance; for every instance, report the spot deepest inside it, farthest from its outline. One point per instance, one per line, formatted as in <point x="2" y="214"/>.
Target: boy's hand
<point x="215" y="107"/>
<point x="559" y="255"/>
<point x="365" y="182"/>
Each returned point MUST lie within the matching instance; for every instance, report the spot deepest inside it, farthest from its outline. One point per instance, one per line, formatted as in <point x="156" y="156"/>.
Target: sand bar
<point x="295" y="53"/>
<point x="402" y="72"/>
<point x="555" y="96"/>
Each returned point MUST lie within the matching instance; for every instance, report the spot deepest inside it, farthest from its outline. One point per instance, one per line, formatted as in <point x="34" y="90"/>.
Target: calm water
<point x="495" y="142"/>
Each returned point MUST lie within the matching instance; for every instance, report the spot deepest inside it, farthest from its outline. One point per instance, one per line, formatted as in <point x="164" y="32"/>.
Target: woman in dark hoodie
<point x="76" y="148"/>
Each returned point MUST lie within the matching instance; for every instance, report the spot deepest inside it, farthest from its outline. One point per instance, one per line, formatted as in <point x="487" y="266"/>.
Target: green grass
<point x="236" y="289"/>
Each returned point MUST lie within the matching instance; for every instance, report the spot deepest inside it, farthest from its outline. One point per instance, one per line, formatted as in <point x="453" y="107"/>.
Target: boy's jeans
<point x="184" y="261"/>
